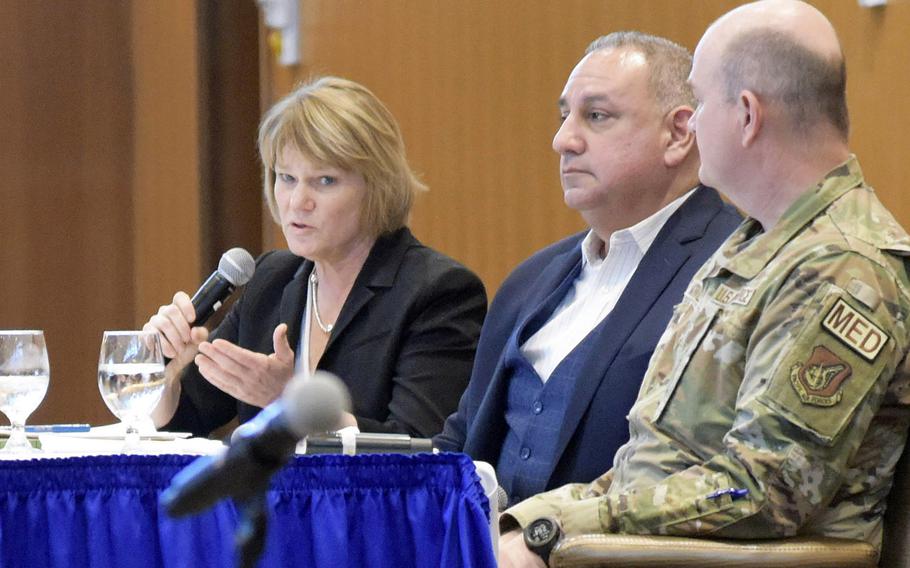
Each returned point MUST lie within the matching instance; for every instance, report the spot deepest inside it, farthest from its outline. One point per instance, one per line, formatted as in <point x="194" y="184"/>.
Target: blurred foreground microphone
<point x="244" y="469"/>
<point x="234" y="269"/>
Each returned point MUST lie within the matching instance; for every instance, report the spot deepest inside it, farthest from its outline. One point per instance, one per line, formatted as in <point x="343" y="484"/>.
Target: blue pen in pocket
<point x="733" y="493"/>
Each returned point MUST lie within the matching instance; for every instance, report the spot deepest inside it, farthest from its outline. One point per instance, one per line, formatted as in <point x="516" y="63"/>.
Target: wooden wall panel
<point x="230" y="212"/>
<point x="474" y="85"/>
<point x="99" y="216"/>
<point x="165" y="177"/>
<point x="877" y="44"/>
<point x="66" y="260"/>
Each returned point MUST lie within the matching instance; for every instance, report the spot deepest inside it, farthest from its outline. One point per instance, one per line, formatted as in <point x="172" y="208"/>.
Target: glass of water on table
<point x="131" y="378"/>
<point x="24" y="374"/>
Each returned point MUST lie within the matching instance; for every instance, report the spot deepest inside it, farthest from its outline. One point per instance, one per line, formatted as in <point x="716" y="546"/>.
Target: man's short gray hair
<point x="770" y="63"/>
<point x="668" y="64"/>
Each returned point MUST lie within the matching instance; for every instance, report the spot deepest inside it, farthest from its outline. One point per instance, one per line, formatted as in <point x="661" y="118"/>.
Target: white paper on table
<point x="109" y="439"/>
<point x="117" y="431"/>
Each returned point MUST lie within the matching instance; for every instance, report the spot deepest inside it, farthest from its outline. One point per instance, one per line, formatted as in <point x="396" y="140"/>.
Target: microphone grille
<point x="237" y="265"/>
<point x="502" y="499"/>
<point x="315" y="404"/>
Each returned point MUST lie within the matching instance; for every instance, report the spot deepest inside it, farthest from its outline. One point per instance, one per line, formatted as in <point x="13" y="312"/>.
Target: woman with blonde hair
<point x="357" y="294"/>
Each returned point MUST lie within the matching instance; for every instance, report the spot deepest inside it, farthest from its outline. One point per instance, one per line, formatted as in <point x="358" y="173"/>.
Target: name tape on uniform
<point x="855" y="330"/>
<point x="727" y="295"/>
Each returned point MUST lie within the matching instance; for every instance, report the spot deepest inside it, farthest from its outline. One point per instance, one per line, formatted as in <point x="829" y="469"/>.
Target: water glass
<point x="24" y="376"/>
<point x="131" y="378"/>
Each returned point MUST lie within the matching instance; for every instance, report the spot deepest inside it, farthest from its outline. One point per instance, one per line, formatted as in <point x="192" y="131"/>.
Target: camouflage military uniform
<point x="776" y="401"/>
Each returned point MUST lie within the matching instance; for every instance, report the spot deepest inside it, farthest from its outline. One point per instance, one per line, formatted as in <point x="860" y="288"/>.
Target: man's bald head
<point x="787" y="51"/>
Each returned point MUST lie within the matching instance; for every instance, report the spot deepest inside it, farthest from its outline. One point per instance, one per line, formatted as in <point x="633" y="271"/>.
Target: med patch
<point x="854" y="330"/>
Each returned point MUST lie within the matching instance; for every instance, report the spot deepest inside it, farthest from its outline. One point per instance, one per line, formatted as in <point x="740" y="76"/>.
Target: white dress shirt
<point x="302" y="359"/>
<point x="595" y="291"/>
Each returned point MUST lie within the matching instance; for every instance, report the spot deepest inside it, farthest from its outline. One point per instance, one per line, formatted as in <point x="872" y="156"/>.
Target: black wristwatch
<point x="541" y="536"/>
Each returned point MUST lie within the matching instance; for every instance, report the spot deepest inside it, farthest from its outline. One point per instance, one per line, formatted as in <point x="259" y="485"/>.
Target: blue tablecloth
<point x="368" y="510"/>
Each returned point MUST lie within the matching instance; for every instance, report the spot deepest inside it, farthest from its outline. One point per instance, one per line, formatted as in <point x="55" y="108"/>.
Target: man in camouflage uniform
<point x="775" y="403"/>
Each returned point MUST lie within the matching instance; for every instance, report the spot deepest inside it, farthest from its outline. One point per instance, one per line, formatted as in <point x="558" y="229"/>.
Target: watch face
<point x="540" y="532"/>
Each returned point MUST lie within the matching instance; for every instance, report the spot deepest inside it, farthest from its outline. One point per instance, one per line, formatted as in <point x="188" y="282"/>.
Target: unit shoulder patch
<point x="855" y="330"/>
<point x="818" y="381"/>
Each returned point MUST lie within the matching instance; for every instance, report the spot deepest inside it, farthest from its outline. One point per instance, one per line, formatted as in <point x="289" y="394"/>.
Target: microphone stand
<point x="244" y="469"/>
<point x="249" y="537"/>
<point x="253" y="519"/>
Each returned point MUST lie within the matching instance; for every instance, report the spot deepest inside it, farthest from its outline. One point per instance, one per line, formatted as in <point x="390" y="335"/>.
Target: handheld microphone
<point x="234" y="269"/>
<point x="245" y="468"/>
<point x="367" y="444"/>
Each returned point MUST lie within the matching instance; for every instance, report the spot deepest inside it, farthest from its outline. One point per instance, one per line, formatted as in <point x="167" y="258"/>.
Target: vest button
<point x="537" y="407"/>
<point x="525" y="453"/>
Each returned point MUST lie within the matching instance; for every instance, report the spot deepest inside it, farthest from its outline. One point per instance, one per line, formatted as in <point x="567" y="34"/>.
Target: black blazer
<point x="595" y="421"/>
<point x="403" y="343"/>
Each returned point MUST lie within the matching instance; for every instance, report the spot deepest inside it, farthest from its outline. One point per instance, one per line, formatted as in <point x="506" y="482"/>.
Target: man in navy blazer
<point x="569" y="335"/>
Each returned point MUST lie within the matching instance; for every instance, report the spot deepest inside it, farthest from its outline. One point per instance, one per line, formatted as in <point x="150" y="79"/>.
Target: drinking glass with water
<point x="131" y="378"/>
<point x="24" y="375"/>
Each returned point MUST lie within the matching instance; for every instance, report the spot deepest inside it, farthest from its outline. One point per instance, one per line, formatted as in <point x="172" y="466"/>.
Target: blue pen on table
<point x="57" y="428"/>
<point x="733" y="493"/>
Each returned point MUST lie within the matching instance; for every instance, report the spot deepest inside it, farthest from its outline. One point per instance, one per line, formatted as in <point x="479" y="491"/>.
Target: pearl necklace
<point x="314" y="282"/>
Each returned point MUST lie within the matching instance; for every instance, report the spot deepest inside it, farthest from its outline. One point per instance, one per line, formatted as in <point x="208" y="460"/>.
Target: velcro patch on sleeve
<point x="855" y="330"/>
<point x="866" y="294"/>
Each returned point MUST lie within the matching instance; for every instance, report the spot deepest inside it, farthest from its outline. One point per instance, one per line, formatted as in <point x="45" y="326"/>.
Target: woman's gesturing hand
<point x="248" y="376"/>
